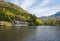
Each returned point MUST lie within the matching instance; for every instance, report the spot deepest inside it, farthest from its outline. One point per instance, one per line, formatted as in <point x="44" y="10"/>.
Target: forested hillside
<point x="11" y="12"/>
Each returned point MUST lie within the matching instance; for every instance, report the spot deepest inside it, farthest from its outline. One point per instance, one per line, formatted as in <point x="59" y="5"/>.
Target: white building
<point x="19" y="23"/>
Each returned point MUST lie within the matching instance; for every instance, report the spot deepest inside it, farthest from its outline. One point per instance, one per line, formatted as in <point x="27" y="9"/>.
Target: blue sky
<point x="39" y="7"/>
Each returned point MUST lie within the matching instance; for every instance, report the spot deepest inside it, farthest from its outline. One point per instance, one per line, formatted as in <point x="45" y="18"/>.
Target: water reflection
<point x="15" y="33"/>
<point x="30" y="33"/>
<point x="48" y="33"/>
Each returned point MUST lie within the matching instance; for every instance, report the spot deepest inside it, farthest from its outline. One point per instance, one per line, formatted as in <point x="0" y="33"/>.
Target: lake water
<point x="30" y="33"/>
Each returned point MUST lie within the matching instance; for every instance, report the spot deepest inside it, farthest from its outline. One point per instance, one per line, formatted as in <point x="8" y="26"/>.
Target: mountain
<point x="11" y="12"/>
<point x="44" y="17"/>
<point x="56" y="15"/>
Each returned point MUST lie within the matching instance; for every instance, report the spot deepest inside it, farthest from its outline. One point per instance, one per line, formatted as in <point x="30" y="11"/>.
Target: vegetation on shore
<point x="5" y="23"/>
<point x="52" y="21"/>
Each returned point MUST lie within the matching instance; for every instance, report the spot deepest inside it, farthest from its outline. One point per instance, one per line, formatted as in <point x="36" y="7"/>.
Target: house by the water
<point x="20" y="23"/>
<point x="17" y="23"/>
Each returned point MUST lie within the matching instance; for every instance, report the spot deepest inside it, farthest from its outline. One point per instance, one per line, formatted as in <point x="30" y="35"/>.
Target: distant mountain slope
<point x="57" y="15"/>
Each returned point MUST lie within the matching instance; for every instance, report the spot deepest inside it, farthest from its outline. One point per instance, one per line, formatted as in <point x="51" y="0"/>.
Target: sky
<point x="39" y="7"/>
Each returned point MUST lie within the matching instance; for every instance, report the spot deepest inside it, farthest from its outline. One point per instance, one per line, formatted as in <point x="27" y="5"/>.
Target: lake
<point x="30" y="33"/>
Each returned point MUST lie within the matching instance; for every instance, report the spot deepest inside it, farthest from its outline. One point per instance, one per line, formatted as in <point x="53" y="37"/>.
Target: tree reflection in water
<point x="15" y="33"/>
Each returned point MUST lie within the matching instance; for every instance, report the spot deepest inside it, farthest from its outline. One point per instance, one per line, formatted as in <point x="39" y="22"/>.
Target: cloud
<point x="45" y="2"/>
<point x="15" y="2"/>
<point x="27" y="3"/>
<point x="45" y="11"/>
<point x="45" y="8"/>
<point x="39" y="7"/>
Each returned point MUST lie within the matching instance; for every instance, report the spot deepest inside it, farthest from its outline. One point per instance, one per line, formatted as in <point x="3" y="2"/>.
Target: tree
<point x="50" y="21"/>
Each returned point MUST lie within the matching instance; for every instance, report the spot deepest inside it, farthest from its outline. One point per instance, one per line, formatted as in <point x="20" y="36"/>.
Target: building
<point x="20" y="23"/>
